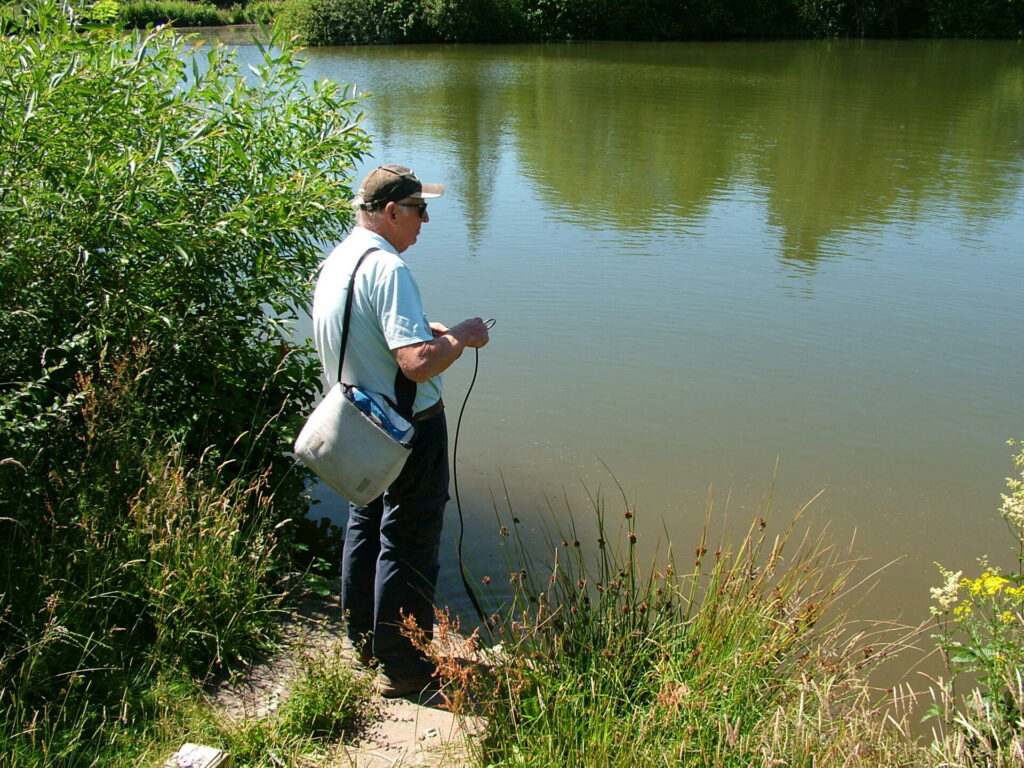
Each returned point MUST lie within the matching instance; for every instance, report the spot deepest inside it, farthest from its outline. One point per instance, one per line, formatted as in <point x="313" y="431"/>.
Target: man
<point x="390" y="562"/>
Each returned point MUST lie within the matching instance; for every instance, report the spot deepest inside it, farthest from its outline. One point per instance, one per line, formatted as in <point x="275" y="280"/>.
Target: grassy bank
<point x="182" y="13"/>
<point x="741" y="657"/>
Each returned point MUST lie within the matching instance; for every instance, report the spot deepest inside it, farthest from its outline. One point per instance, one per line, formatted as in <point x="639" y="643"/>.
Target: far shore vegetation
<point x="358" y="22"/>
<point x="162" y="214"/>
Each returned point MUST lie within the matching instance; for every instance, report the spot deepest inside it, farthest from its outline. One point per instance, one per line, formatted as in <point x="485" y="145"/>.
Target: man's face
<point x="410" y="215"/>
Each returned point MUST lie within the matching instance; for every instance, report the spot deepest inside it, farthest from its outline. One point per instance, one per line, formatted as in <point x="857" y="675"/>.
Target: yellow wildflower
<point x="1007" y="617"/>
<point x="964" y="609"/>
<point x="994" y="583"/>
<point x="987" y="584"/>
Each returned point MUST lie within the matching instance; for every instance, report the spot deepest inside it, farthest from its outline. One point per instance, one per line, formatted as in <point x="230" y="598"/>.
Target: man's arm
<point x="426" y="359"/>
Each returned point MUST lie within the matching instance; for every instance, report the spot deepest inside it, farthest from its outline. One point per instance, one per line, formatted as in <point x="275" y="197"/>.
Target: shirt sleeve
<point x="400" y="309"/>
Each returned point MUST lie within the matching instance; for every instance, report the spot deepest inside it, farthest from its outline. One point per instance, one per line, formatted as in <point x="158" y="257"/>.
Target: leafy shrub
<point x="185" y="220"/>
<point x="161" y="217"/>
<point x="912" y="18"/>
<point x="472" y="20"/>
<point x="561" y="19"/>
<point x="333" y="22"/>
<point x="353" y="22"/>
<point x="986" y="18"/>
<point x="358" y="22"/>
<point x="141" y="13"/>
<point x="260" y="12"/>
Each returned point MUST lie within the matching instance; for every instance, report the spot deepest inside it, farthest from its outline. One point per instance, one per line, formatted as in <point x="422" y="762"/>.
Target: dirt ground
<point x="404" y="732"/>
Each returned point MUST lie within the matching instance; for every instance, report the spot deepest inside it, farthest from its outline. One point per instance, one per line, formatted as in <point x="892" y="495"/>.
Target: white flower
<point x="1013" y="509"/>
<point x="946" y="595"/>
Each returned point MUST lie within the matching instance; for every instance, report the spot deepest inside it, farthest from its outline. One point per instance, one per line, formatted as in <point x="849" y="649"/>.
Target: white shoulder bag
<point x="355" y="440"/>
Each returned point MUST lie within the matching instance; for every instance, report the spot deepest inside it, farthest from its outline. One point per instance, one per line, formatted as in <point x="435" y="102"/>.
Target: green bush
<point x="260" y="12"/>
<point x="468" y="21"/>
<point x="353" y="22"/>
<point x="912" y="18"/>
<point x="178" y="226"/>
<point x="334" y="22"/>
<point x="161" y="218"/>
<point x="141" y="13"/>
<point x="559" y="19"/>
<point x="984" y="19"/>
<point x="834" y="18"/>
<point x="361" y="22"/>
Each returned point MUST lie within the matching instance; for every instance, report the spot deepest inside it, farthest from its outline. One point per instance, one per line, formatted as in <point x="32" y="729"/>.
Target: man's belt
<point x="426" y="413"/>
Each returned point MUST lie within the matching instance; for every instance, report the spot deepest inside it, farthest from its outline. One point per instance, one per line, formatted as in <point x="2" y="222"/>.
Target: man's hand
<point x="425" y="360"/>
<point x="472" y="332"/>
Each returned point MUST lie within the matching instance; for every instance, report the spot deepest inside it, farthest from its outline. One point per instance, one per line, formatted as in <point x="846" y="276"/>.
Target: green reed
<point x="740" y="658"/>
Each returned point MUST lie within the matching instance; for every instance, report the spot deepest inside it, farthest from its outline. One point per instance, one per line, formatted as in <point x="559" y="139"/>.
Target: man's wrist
<point x="457" y="344"/>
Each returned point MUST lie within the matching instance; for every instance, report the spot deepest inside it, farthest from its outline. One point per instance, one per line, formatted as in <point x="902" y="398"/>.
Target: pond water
<point x="718" y="269"/>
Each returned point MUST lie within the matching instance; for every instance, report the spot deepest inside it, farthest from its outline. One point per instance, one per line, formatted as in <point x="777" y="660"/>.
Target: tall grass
<point x="182" y="581"/>
<point x="744" y="657"/>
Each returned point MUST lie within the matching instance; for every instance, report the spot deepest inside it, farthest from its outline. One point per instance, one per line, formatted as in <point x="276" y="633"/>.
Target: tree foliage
<point x="330" y="22"/>
<point x="160" y="201"/>
<point x="162" y="214"/>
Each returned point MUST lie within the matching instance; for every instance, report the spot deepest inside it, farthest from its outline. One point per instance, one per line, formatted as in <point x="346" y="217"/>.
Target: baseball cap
<point x="391" y="183"/>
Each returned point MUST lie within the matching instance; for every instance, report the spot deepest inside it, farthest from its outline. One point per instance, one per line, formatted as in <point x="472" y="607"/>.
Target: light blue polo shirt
<point x="387" y="313"/>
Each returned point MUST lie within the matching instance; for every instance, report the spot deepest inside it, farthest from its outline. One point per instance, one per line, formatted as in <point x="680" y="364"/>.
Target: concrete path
<point x="403" y="732"/>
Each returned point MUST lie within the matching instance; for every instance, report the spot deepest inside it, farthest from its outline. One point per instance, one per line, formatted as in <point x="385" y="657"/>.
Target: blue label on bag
<point x="382" y="414"/>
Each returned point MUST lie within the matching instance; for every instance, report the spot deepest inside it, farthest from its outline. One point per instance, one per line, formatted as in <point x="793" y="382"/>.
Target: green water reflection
<point x="836" y="137"/>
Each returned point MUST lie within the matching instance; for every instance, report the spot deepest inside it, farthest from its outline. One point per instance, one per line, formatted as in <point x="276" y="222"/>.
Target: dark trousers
<point x="390" y="563"/>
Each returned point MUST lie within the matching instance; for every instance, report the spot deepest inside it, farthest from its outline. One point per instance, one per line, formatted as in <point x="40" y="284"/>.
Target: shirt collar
<point x="372" y="239"/>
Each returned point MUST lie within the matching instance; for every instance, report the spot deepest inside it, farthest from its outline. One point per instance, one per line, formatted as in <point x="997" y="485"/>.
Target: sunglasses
<point x="421" y="207"/>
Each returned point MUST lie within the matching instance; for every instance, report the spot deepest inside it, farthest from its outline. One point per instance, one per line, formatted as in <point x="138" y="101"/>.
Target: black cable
<point x="455" y="481"/>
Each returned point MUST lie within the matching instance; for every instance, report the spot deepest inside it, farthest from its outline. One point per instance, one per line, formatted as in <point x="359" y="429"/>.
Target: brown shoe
<point x="401" y="687"/>
<point x="362" y="656"/>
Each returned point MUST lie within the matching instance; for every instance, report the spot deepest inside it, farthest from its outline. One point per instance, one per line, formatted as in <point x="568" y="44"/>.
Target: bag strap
<point x="405" y="388"/>
<point x="405" y="394"/>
